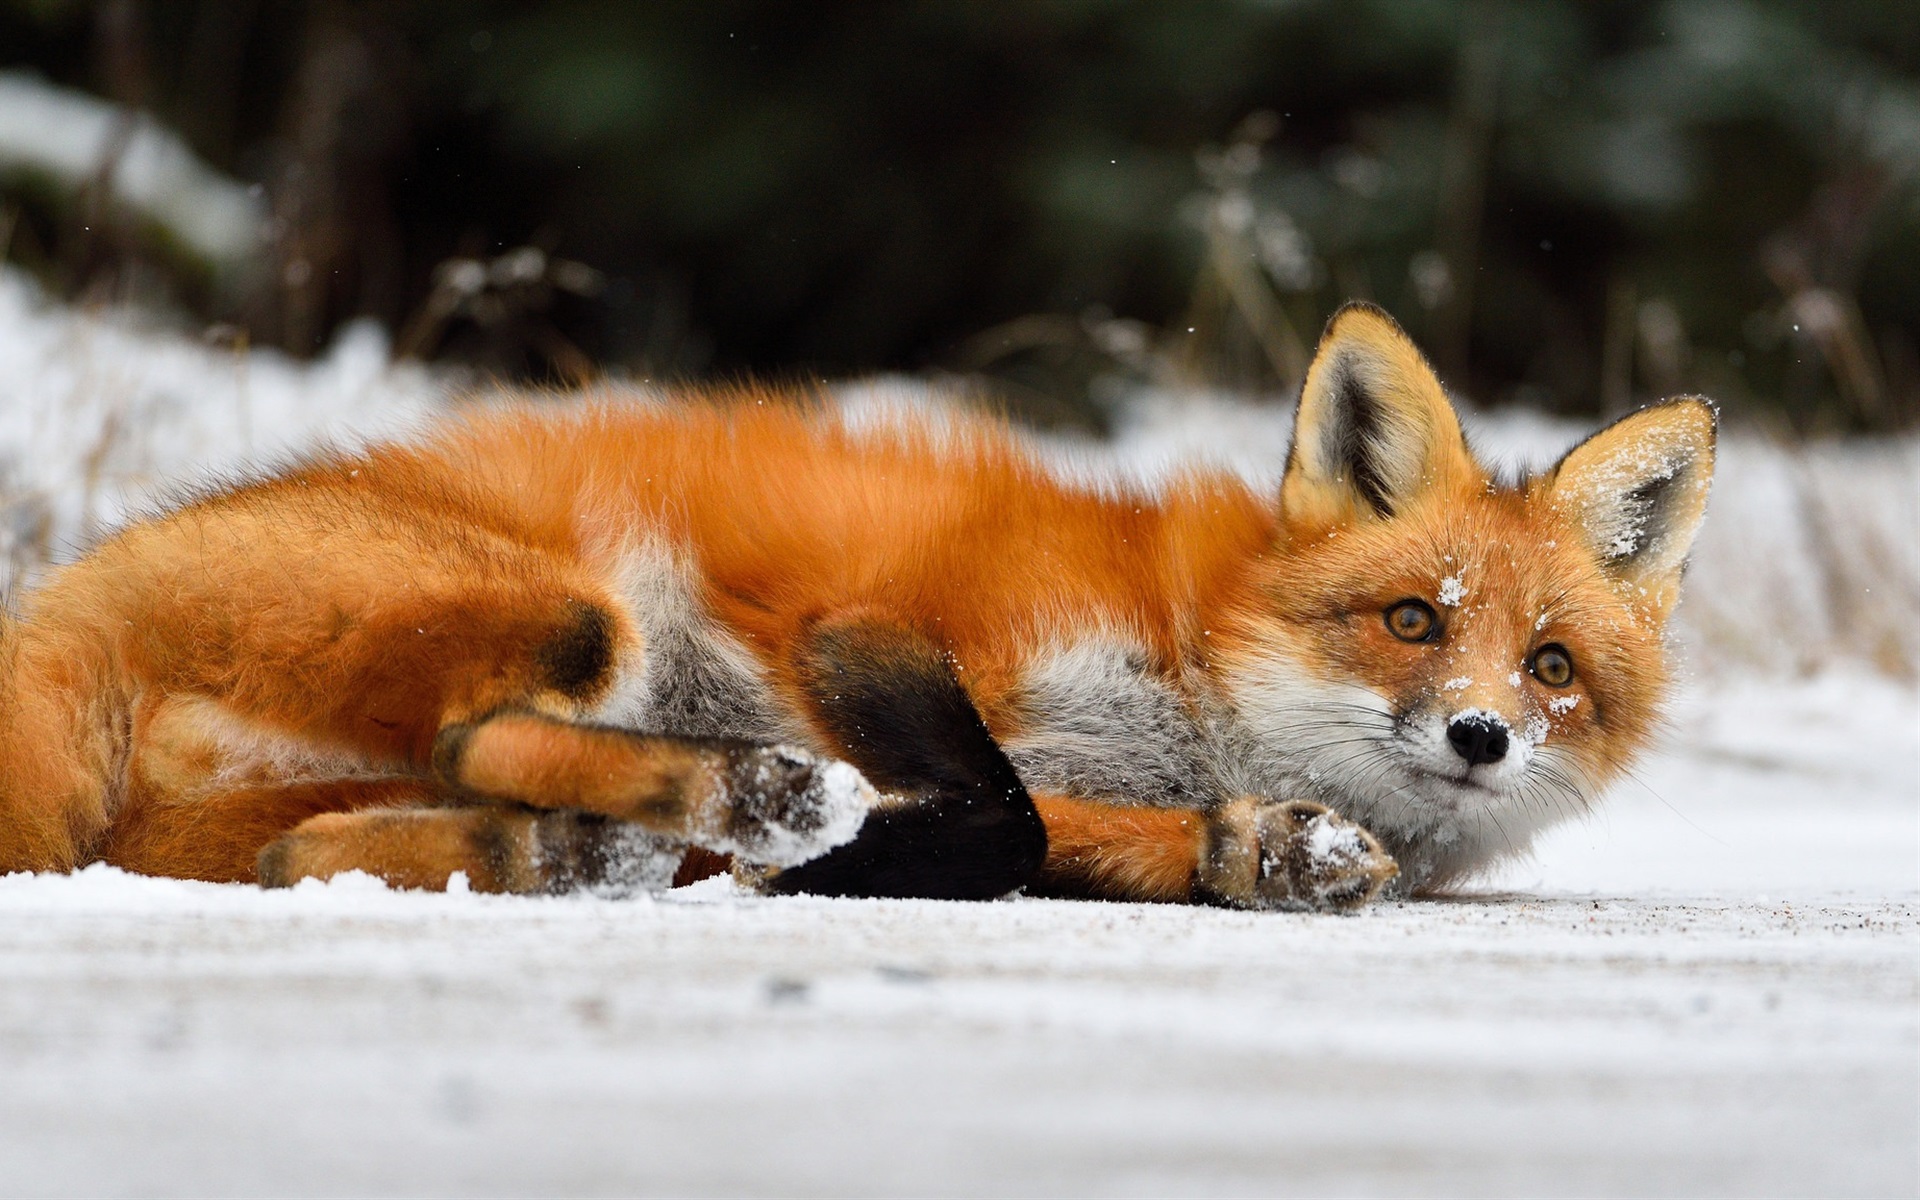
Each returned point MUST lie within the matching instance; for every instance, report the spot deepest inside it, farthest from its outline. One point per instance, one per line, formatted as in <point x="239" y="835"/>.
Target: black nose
<point x="1478" y="739"/>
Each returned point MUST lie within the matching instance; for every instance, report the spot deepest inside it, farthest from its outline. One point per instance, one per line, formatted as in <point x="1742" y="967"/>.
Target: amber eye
<point x="1411" y="620"/>
<point x="1552" y="665"/>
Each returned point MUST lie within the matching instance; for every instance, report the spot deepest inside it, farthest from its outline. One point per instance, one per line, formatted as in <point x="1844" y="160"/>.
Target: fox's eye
<point x="1411" y="620"/>
<point x="1552" y="665"/>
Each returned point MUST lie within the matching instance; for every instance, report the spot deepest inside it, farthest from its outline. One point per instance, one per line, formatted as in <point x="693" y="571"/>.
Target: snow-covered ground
<point x="1713" y="986"/>
<point x="1710" y="989"/>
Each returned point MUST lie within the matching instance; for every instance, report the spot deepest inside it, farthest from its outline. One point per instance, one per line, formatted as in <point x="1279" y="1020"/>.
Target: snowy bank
<point x="71" y="141"/>
<point x="102" y="415"/>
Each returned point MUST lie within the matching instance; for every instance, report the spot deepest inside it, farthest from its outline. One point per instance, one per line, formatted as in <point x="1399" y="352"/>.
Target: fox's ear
<point x="1637" y="490"/>
<point x="1374" y="430"/>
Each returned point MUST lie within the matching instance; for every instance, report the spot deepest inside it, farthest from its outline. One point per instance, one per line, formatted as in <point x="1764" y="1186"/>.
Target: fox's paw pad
<point x="786" y="806"/>
<point x="1292" y="854"/>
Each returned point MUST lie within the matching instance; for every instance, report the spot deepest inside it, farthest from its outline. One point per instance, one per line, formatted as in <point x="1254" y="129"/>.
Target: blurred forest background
<point x="1574" y="204"/>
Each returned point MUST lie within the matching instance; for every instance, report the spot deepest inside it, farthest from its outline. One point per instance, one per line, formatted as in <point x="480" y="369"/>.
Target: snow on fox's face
<point x="1457" y="664"/>
<point x="1454" y="680"/>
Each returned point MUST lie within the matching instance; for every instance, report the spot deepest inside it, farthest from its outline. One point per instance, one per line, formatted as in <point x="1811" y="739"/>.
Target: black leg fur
<point x="967" y="829"/>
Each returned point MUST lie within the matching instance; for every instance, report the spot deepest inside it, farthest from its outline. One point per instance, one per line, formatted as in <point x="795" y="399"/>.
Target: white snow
<point x="1453" y="589"/>
<point x="637" y="863"/>
<point x="100" y="417"/>
<point x="1716" y="997"/>
<point x="827" y="813"/>
<point x="71" y="138"/>
<point x="1334" y="843"/>
<point x="1710" y="986"/>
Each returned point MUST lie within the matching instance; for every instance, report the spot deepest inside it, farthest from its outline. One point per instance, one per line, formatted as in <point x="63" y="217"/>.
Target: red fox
<point x="614" y="647"/>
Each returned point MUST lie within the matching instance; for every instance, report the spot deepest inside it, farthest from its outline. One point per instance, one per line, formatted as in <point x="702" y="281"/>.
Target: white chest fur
<point x="1097" y="721"/>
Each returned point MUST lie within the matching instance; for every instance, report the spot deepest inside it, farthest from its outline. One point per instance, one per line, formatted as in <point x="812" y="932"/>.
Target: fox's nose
<point x="1478" y="739"/>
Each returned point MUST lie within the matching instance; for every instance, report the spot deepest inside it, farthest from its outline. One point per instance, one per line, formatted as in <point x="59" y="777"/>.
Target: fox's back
<point x="787" y="513"/>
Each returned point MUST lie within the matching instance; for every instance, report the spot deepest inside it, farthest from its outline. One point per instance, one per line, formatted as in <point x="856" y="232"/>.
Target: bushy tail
<point x="63" y="742"/>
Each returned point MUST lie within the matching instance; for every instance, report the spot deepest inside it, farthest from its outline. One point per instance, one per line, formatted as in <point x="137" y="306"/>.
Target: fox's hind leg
<point x="267" y="679"/>
<point x="771" y="805"/>
<point x="548" y="805"/>
<point x="498" y="848"/>
<point x="216" y="834"/>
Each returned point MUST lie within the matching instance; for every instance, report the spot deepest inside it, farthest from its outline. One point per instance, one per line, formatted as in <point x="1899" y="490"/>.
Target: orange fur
<point x="554" y="765"/>
<point x="208" y="679"/>
<point x="496" y="848"/>
<point x="344" y="603"/>
<point x="1123" y="853"/>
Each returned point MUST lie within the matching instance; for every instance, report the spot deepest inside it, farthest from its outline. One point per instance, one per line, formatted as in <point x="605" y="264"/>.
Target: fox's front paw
<point x="785" y="806"/>
<point x="1291" y="854"/>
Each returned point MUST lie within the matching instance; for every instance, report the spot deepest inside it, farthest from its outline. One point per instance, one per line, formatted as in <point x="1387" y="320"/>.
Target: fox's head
<point x="1455" y="661"/>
